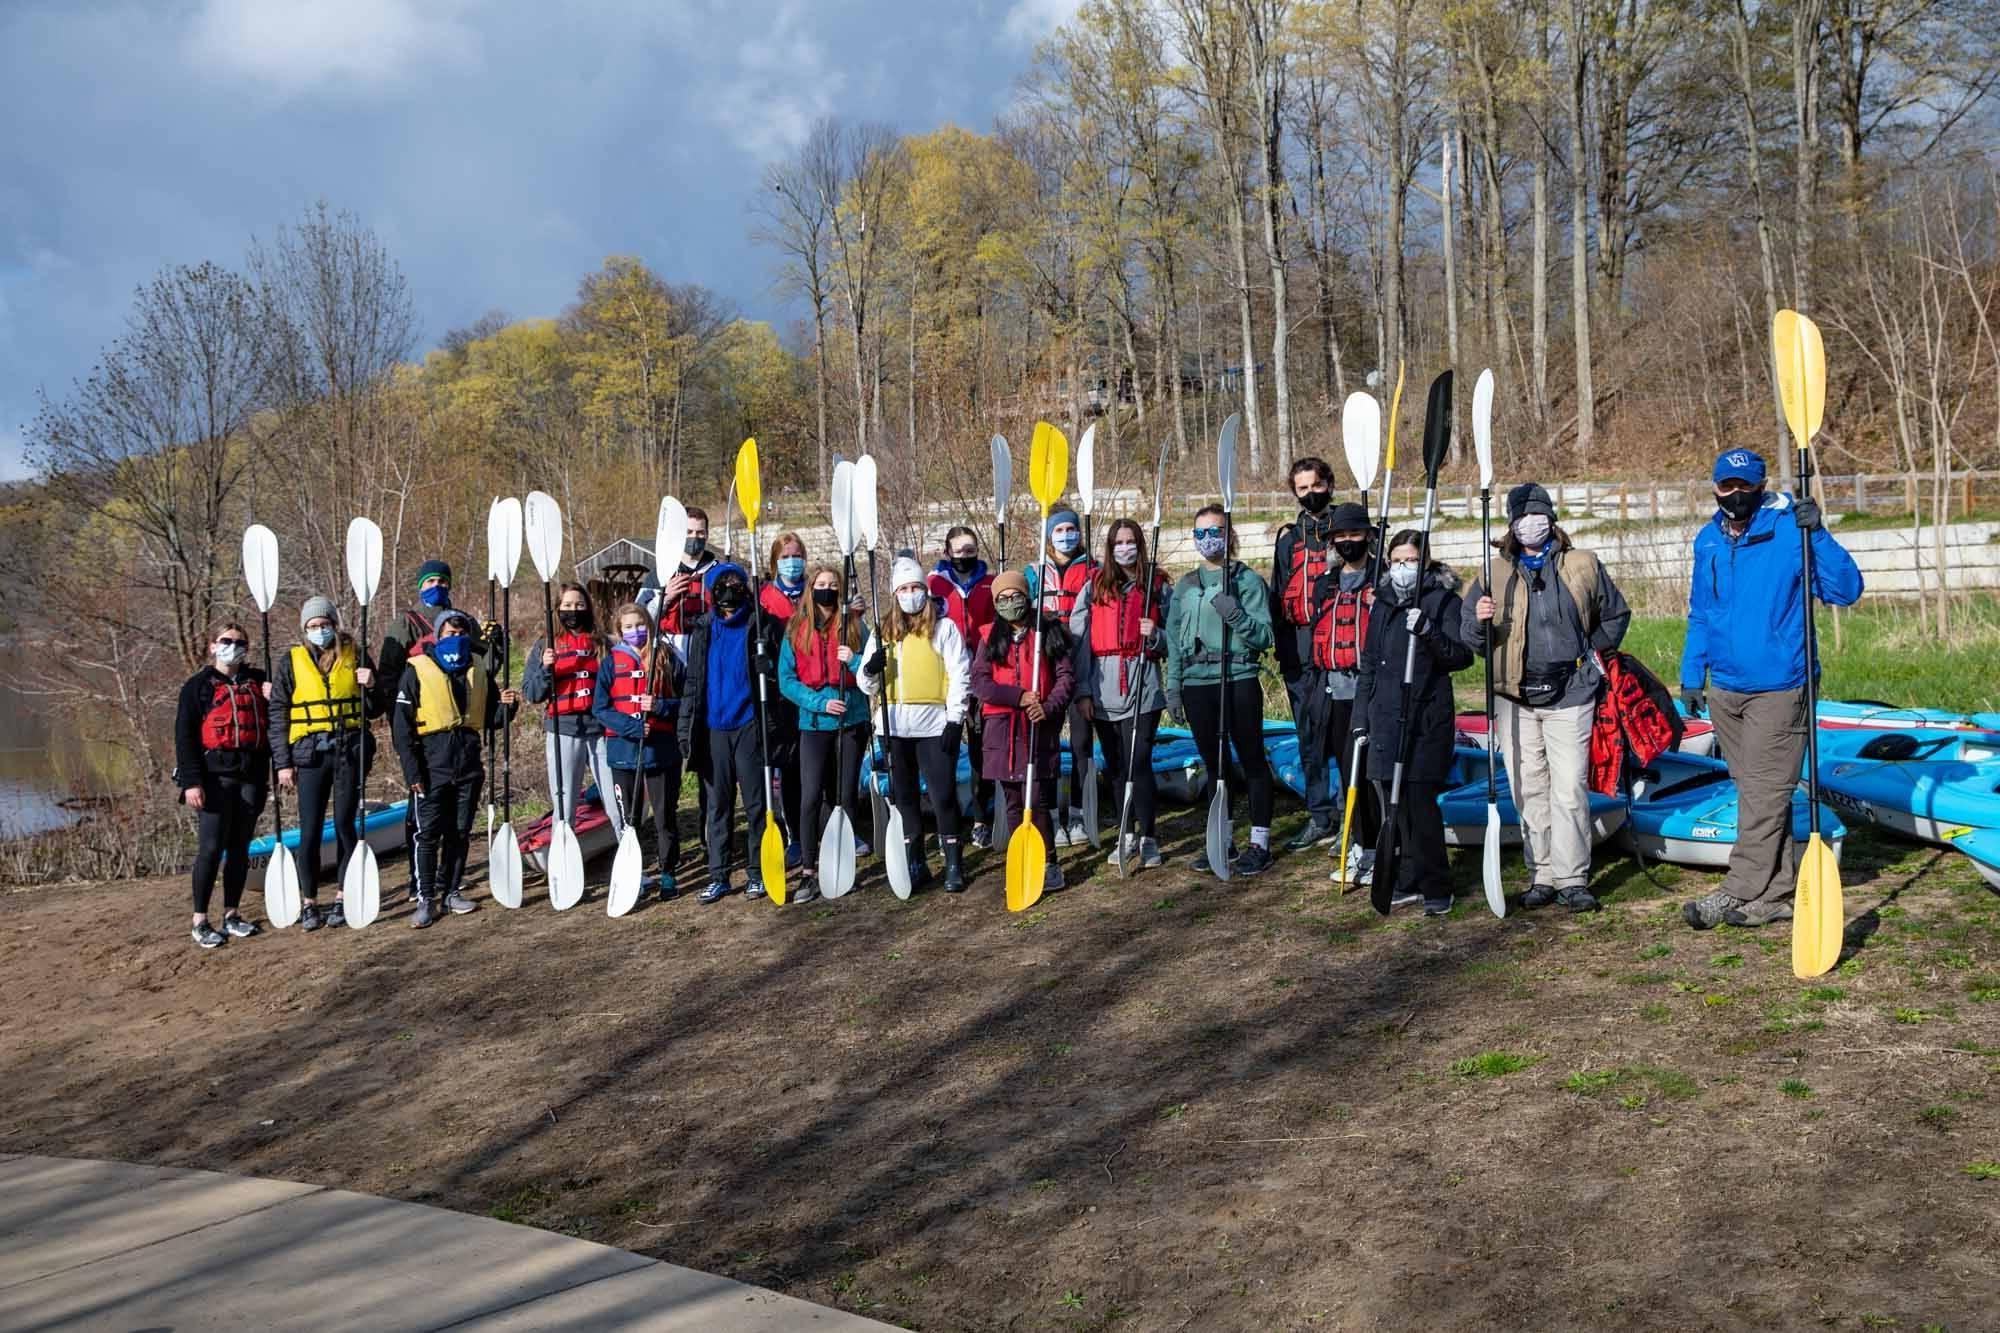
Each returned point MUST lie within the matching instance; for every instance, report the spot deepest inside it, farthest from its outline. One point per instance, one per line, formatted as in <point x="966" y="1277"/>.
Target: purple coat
<point x="1004" y="740"/>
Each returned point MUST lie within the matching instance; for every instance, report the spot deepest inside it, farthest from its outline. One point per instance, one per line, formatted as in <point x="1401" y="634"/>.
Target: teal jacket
<point x="812" y="702"/>
<point x="1194" y="629"/>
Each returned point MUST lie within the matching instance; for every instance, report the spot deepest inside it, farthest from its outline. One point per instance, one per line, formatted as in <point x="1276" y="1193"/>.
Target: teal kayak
<point x="1684" y="811"/>
<point x="1940" y="787"/>
<point x="381" y="824"/>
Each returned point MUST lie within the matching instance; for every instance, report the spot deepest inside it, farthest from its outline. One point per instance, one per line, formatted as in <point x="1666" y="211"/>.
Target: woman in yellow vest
<point x="914" y="662"/>
<point x="323" y="694"/>
<point x="444" y="703"/>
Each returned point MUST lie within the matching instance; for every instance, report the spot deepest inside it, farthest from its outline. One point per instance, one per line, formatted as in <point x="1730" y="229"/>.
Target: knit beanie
<point x="1528" y="498"/>
<point x="906" y="571"/>
<point x="316" y="606"/>
<point x="1059" y="515"/>
<point x="1010" y="580"/>
<point x="432" y="569"/>
<point x="446" y="616"/>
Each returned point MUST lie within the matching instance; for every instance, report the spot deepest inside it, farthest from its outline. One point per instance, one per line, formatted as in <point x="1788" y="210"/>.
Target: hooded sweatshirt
<point x="728" y="703"/>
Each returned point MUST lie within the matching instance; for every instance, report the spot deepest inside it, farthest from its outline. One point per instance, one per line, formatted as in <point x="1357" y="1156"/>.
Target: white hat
<point x="906" y="571"/>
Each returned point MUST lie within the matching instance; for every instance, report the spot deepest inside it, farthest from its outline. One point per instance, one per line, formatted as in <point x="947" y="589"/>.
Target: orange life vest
<point x="236" y="718"/>
<point x="627" y="684"/>
<point x="574" y="675"/>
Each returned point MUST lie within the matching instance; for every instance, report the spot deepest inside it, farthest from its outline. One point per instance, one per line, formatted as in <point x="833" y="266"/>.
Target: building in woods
<point x="612" y="574"/>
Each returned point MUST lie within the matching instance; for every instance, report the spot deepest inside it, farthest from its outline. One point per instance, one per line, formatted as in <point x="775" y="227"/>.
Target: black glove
<point x="1694" y="701"/>
<point x="954" y="732"/>
<point x="1227" y="606"/>
<point x="874" y="665"/>
<point x="1175" y="713"/>
<point x="1805" y="512"/>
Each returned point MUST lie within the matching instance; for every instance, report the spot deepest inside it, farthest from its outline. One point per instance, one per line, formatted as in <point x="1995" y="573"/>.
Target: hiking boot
<point x="1437" y="907"/>
<point x="1538" y="895"/>
<point x="1402" y="900"/>
<point x="1052" y="878"/>
<point x="1201" y="862"/>
<point x="428" y="912"/>
<point x="1313" y="834"/>
<point x="807" y="890"/>
<point x="753" y="888"/>
<point x="715" y="892"/>
<point x="458" y="904"/>
<point x="237" y="928"/>
<point x="1760" y="913"/>
<point x="1578" y="899"/>
<point x="1707" y="912"/>
<point x="208" y="937"/>
<point x="1149" y="854"/>
<point x="309" y="916"/>
<point x="1254" y="861"/>
<point x="338" y="915"/>
<point x="920" y="869"/>
<point x="982" y="835"/>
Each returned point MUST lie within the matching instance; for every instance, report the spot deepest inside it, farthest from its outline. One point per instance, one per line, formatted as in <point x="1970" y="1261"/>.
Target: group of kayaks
<point x="1925" y="774"/>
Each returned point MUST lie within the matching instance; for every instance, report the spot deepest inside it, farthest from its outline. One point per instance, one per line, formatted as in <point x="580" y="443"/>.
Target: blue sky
<point x="501" y="148"/>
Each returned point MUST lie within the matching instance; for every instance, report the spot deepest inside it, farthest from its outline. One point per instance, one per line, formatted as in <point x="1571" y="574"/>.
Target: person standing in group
<point x="963" y="587"/>
<point x="1340" y="629"/>
<point x="634" y="699"/>
<point x="1120" y="654"/>
<point x="323" y="695"/>
<point x="1003" y="678"/>
<point x="445" y="702"/>
<point x="1414" y="602"/>
<point x="562" y="676"/>
<point x="915" y="662"/>
<point x="781" y="596"/>
<point x="682" y="599"/>
<point x="222" y="765"/>
<point x="1069" y="572"/>
<point x="1552" y="610"/>
<point x="1300" y="569"/>
<point x="1744" y="666"/>
<point x="816" y="666"/>
<point x="718" y="720"/>
<point x="1223" y="590"/>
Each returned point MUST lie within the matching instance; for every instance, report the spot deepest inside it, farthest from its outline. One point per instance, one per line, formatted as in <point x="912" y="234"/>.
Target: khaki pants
<point x="1763" y="736"/>
<point x="1548" y="768"/>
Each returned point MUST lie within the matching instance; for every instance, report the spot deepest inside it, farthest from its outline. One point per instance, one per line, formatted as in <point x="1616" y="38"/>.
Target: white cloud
<point x="783" y="80"/>
<point x="1029" y="21"/>
<point x="298" y="45"/>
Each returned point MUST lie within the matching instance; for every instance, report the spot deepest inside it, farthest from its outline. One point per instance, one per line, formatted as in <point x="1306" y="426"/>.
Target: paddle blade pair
<point x="1818" y="914"/>
<point x="260" y="565"/>
<point x="1482" y="427"/>
<point x="543" y="519"/>
<point x="1027" y="866"/>
<point x="503" y="867"/>
<point x="836" y="855"/>
<point x="1048" y="465"/>
<point x="503" y="540"/>
<point x="565" y="866"/>
<point x="1361" y="437"/>
<point x="361" y="887"/>
<point x="1799" y="355"/>
<point x="364" y="565"/>
<point x="771" y="859"/>
<point x="1489" y="863"/>
<point x="281" y="888"/>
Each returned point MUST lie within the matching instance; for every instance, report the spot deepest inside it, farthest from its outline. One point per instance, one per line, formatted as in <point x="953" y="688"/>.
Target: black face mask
<point x="1740" y="505"/>
<point x="826" y="596"/>
<point x="695" y="545"/>
<point x="964" y="564"/>
<point x="1315" y="502"/>
<point x="574" y="619"/>
<point x="729" y="598"/>
<point x="1352" y="552"/>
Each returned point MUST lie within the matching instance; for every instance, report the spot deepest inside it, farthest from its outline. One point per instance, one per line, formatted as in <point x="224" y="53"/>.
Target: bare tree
<point x="798" y="209"/>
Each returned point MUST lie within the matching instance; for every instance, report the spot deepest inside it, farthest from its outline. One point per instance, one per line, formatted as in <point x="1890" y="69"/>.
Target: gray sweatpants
<point x="580" y="755"/>
<point x="1548" y="767"/>
<point x="1763" y="736"/>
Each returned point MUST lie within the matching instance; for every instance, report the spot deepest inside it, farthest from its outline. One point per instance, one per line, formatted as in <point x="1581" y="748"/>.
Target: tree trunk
<point x="819" y="385"/>
<point x="1753" y="160"/>
<point x="1807" y="18"/>
<point x="1449" y="231"/>
<point x="1539" y="291"/>
<point x="1579" y="235"/>
<point x="1268" y="68"/>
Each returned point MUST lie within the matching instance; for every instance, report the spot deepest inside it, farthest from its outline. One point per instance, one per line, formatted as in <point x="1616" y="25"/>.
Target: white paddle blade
<point x="543" y="520"/>
<point x="361" y="888"/>
<point x="1482" y="427"/>
<point x="364" y="561"/>
<point x="1361" y="437"/>
<point x="867" y="514"/>
<point x="1086" y="471"/>
<point x="496" y="533"/>
<point x="896" y="854"/>
<point x="1087" y="799"/>
<point x="670" y="534"/>
<point x="625" y="877"/>
<point x="1003" y="477"/>
<point x="840" y="504"/>
<point x="260" y="564"/>
<point x="1219" y="832"/>
<point x="1489" y="863"/>
<point x="508" y="511"/>
<point x="281" y="888"/>
<point x="565" y="867"/>
<point x="836" y="855"/>
<point x="1225" y="461"/>
<point x="503" y="867"/>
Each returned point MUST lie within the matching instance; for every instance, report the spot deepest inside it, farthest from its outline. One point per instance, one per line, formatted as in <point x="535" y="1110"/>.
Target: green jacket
<point x="1194" y="630"/>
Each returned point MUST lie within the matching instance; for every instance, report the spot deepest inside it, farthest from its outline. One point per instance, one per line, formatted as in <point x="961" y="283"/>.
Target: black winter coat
<point x="1379" y="696"/>
<point x="443" y="756"/>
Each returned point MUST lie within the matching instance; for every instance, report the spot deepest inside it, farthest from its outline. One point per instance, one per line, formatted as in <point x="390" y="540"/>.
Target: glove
<point x="875" y="664"/>
<point x="1694" y="701"/>
<point x="1227" y="606"/>
<point x="1805" y="512"/>
<point x="953" y="733"/>
<point x="1413" y="620"/>
<point x="1174" y="709"/>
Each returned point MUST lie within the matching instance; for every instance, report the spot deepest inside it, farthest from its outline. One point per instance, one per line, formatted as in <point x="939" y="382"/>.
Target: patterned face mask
<point x="1532" y="529"/>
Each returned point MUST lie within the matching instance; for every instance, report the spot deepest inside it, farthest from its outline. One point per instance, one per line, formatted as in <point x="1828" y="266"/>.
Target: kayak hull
<point x="1686" y="813"/>
<point x="594" y="836"/>
<point x="382" y="825"/>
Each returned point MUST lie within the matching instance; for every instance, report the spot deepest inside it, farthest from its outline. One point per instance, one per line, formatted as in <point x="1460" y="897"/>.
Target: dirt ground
<point x="1165" y="1103"/>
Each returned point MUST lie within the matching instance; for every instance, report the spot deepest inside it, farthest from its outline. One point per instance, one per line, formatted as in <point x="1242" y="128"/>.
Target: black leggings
<point x="1246" y="720"/>
<point x="227" y="818"/>
<point x="829" y="773"/>
<point x="983" y="810"/>
<point x="444" y="834"/>
<point x="1115" y="738"/>
<point x="909" y="755"/>
<point x="661" y="791"/>
<point x="1080" y="758"/>
<point x="333" y="774"/>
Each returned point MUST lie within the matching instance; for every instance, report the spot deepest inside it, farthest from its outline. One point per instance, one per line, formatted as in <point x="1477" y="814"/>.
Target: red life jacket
<point x="818" y="663"/>
<point x="1017" y="671"/>
<point x="1341" y="630"/>
<point x="1306" y="566"/>
<point x="1114" y="627"/>
<point x="1071" y="582"/>
<point x="236" y="718"/>
<point x="776" y="602"/>
<point x="629" y="680"/>
<point x="574" y="673"/>
<point x="678" y="616"/>
<point x="971" y="611"/>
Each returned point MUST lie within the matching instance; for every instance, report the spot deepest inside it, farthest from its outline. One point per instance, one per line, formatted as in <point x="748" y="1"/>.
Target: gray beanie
<point x="316" y="606"/>
<point x="1528" y="498"/>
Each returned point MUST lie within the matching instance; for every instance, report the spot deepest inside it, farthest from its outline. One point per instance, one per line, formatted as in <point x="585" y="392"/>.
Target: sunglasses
<point x="1203" y="534"/>
<point x="239" y="643"/>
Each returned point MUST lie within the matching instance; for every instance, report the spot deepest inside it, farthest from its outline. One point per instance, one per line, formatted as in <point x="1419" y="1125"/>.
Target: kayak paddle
<point x="1482" y="444"/>
<point x="1220" y="834"/>
<point x="361" y="881"/>
<point x="836" y="841"/>
<point x="1151" y="572"/>
<point x="281" y="873"/>
<point x="503" y="849"/>
<point x="868" y="530"/>
<point x="1347" y="817"/>
<point x="771" y="844"/>
<point x="1027" y="851"/>
<point x="544" y="523"/>
<point x="1083" y="775"/>
<point x="1388" y="481"/>
<point x="1003" y="495"/>
<point x="1361" y="438"/>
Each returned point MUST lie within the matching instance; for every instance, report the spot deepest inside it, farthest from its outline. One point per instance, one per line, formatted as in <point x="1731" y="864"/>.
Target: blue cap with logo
<point x="1739" y="465"/>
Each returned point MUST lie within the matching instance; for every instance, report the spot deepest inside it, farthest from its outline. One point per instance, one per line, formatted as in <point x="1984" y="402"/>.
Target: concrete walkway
<point x="105" y="1245"/>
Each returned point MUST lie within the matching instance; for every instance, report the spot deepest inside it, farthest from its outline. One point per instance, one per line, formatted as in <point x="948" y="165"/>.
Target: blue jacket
<point x="1746" y="614"/>
<point x="626" y="745"/>
<point x="812" y="702"/>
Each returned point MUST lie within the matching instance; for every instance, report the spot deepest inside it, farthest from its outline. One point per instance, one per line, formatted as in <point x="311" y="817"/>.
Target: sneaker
<point x="1312" y="835"/>
<point x="1149" y="853"/>
<point x="1079" y="836"/>
<point x="1052" y="878"/>
<point x="1538" y="895"/>
<point x="862" y="851"/>
<point x="1437" y="907"/>
<point x="982" y="835"/>
<point x="1128" y="847"/>
<point x="1402" y="900"/>
<point x="1578" y="899"/>
<point x="208" y="937"/>
<point x="1760" y="913"/>
<point x="1254" y="861"/>
<point x="753" y="888"/>
<point x="1201" y="865"/>
<point x="668" y="890"/>
<point x="428" y="911"/>
<point x="458" y="904"/>
<point x="1063" y="838"/>
<point x="337" y="915"/>
<point x="715" y="892"/>
<point x="237" y="928"/>
<point x="309" y="916"/>
<point x="807" y="890"/>
<point x="1707" y="912"/>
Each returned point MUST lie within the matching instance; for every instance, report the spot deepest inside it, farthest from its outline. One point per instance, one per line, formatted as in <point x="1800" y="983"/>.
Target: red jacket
<point x="998" y="686"/>
<point x="1635" y="717"/>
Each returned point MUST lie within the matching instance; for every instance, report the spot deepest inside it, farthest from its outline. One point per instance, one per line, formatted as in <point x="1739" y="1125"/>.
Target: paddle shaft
<point x="1152" y="573"/>
<point x="361" y="754"/>
<point x="1812" y="655"/>
<point x="774" y="805"/>
<point x="492" y="585"/>
<point x="277" y="801"/>
<point x="1389" y="847"/>
<point x="507" y="731"/>
<point x="561" y="813"/>
<point x="1222" y="698"/>
<point x="1486" y="587"/>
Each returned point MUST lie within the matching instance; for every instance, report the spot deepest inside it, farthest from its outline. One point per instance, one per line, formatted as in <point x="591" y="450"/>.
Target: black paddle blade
<point x="1437" y="427"/>
<point x="1388" y="851"/>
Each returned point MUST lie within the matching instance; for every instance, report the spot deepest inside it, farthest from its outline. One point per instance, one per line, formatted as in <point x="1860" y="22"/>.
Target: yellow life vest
<point x="436" y="709"/>
<point x="324" y="702"/>
<point x="919" y="673"/>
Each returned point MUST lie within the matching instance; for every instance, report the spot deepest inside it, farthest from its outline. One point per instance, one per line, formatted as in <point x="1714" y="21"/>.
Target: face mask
<point x="1403" y="578"/>
<point x="574" y="619"/>
<point x="1011" y="609"/>
<point x="228" y="654"/>
<point x="729" y="598"/>
<point x="1315" y="502"/>
<point x="1352" y="552"/>
<point x="1126" y="553"/>
<point x="321" y="637"/>
<point x="437" y="595"/>
<point x="1740" y="505"/>
<point x="452" y="652"/>
<point x="1531" y="529"/>
<point x="1210" y="543"/>
<point x="694" y="546"/>
<point x="634" y="637"/>
<point x="1065" y="540"/>
<point x="912" y="600"/>
<point x="965" y="564"/>
<point x="826" y="596"/>
<point x="791" y="568"/>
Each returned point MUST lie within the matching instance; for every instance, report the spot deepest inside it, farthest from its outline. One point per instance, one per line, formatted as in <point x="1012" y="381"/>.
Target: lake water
<point x="44" y="762"/>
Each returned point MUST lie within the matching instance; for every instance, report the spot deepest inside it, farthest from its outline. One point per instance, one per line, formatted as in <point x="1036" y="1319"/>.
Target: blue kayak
<point x="1936" y="787"/>
<point x="1868" y="715"/>
<point x="1684" y="811"/>
<point x="1177" y="769"/>
<point x="382" y="825"/>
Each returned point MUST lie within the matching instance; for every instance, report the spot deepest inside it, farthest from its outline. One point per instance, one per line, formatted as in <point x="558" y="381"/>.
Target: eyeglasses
<point x="1206" y="534"/>
<point x="238" y="643"/>
<point x="1011" y="603"/>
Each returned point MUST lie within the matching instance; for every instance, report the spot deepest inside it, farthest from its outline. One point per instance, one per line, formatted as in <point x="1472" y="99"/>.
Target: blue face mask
<point x="1210" y="543"/>
<point x="437" y="595"/>
<point x="791" y="568"/>
<point x="453" y="652"/>
<point x="1065" y="540"/>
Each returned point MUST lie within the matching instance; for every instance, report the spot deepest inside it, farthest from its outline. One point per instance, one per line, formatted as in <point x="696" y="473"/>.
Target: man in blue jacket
<point x="1744" y="666"/>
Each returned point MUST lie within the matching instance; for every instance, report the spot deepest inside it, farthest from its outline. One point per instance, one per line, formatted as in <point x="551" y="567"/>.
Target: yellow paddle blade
<point x="1800" y="358"/>
<point x="1346" y="827"/>
<point x="749" y="483"/>
<point x="1395" y="415"/>
<point x="1027" y="863"/>
<point x="771" y="859"/>
<point x="1819" y="920"/>
<point x="1048" y="465"/>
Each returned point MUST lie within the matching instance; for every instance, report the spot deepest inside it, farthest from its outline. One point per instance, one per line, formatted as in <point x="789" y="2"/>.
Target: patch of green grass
<point x="1726" y="960"/>
<point x="522" y="1204"/>
<point x="1659" y="950"/>
<point x="1645" y="978"/>
<point x="1823" y="994"/>
<point x="1493" y="1064"/>
<point x="1983" y="990"/>
<point x="1588" y="1081"/>
<point x="1796" y="1088"/>
<point x="1939" y="1116"/>
<point x="1174" y="1112"/>
<point x="1909" y="1016"/>
<point x="1071" y="1300"/>
<point x="1656" y="1013"/>
<point x="1983" y="1170"/>
<point x="1668" y="1083"/>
